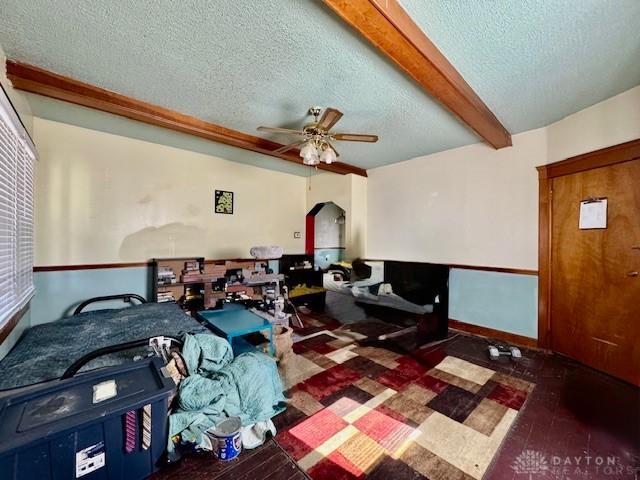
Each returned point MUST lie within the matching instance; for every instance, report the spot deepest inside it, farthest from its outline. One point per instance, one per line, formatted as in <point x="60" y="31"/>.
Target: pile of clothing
<point x="217" y="386"/>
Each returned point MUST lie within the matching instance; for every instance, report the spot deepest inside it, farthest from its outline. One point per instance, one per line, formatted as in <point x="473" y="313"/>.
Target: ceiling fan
<point x="316" y="136"/>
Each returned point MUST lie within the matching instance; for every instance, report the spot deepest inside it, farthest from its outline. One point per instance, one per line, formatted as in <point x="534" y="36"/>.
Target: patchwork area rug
<point x="367" y="412"/>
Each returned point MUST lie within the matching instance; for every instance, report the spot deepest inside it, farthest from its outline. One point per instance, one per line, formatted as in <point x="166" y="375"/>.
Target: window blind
<point x="17" y="161"/>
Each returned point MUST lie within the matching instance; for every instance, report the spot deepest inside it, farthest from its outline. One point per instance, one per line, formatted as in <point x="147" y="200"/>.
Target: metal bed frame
<point x="82" y="361"/>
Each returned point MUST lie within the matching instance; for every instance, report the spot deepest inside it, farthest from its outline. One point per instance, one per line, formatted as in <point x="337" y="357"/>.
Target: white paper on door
<point x="593" y="214"/>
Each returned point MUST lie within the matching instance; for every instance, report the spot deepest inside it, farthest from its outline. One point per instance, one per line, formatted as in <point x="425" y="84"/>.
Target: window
<point x="17" y="159"/>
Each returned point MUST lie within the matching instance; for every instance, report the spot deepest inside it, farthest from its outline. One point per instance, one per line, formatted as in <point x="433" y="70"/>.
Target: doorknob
<point x="633" y="274"/>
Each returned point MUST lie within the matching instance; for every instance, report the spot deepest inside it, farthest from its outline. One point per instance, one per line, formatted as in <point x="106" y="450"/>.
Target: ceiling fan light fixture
<point x="311" y="160"/>
<point x="308" y="149"/>
<point x="328" y="155"/>
<point x="315" y="136"/>
<point x="309" y="154"/>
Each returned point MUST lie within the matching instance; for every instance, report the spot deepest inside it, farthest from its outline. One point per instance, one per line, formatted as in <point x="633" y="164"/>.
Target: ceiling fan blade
<point x="286" y="131"/>
<point x="284" y="148"/>
<point x="329" y="118"/>
<point x="354" y="137"/>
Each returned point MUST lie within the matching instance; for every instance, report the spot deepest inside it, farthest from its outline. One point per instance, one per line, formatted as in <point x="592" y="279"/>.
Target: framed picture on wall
<point x="224" y="202"/>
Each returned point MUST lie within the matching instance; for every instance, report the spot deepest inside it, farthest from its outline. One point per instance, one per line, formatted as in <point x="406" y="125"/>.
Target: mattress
<point x="46" y="351"/>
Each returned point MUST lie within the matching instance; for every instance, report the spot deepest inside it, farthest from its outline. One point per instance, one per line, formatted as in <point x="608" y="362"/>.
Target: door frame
<point x="604" y="157"/>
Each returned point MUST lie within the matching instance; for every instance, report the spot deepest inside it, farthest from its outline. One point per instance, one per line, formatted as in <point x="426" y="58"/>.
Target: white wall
<point x="471" y="205"/>
<point x="478" y="206"/>
<point x="103" y="198"/>
<point x="357" y="240"/>
<point x="329" y="187"/>
<point x="613" y="121"/>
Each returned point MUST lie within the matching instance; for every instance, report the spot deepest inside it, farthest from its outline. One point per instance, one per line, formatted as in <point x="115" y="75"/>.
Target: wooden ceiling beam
<point x="43" y="82"/>
<point x="386" y="25"/>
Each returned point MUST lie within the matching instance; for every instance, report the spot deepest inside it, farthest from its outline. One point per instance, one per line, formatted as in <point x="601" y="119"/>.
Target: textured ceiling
<point x="249" y="63"/>
<point x="534" y="62"/>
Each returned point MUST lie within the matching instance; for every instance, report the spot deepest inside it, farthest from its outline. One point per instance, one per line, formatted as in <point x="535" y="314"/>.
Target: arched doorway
<point x="325" y="234"/>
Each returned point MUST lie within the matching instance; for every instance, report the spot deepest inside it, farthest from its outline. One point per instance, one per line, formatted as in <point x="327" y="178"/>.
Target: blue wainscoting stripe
<point x="496" y="300"/>
<point x="59" y="292"/>
<point x="500" y="301"/>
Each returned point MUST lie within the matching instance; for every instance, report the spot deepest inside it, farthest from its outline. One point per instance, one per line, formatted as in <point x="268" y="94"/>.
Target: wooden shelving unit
<point x="169" y="285"/>
<point x="219" y="277"/>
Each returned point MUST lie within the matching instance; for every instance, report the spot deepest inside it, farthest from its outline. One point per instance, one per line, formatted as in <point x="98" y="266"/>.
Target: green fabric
<point x="248" y="387"/>
<point x="205" y="353"/>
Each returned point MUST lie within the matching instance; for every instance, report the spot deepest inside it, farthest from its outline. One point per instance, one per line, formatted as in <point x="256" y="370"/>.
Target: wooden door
<point x="595" y="284"/>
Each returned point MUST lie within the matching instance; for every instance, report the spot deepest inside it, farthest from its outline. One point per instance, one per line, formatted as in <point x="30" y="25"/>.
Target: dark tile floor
<point x="577" y="423"/>
<point x="585" y="424"/>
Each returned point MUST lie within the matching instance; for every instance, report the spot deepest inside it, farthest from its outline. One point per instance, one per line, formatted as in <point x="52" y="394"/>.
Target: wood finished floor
<point x="267" y="462"/>
<point x="574" y="412"/>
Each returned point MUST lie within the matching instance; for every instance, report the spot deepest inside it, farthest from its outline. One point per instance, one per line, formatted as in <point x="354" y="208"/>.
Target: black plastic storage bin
<point x="75" y="428"/>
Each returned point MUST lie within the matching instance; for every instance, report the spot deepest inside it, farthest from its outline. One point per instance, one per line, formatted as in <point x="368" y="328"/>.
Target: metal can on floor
<point x="225" y="438"/>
